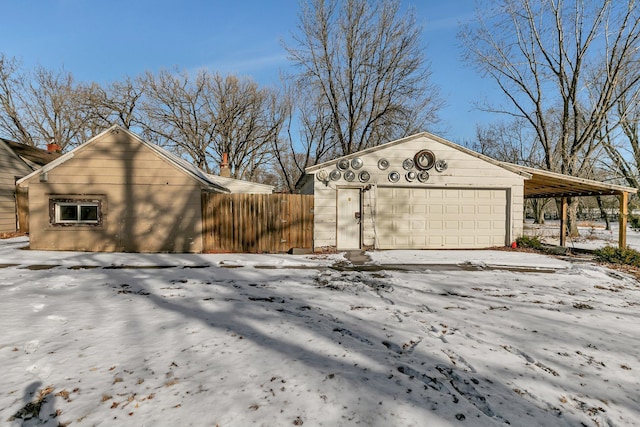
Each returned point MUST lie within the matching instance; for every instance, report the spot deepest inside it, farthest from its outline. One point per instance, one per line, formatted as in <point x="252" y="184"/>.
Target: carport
<point x="546" y="184"/>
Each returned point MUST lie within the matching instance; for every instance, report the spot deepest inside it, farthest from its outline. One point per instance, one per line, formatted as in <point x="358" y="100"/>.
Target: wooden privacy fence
<point x="256" y="223"/>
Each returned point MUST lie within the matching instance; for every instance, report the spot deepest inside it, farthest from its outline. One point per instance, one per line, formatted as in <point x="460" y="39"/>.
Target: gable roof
<point x="538" y="183"/>
<point x="507" y="166"/>
<point x="32" y="156"/>
<point x="6" y="151"/>
<point x="176" y="161"/>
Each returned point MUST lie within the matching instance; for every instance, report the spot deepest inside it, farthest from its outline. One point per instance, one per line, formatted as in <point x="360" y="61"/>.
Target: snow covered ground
<point x="592" y="234"/>
<point x="237" y="340"/>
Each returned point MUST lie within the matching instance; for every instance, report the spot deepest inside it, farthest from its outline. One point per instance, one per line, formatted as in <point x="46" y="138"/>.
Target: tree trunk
<point x="572" y="215"/>
<point x="603" y="213"/>
<point x="539" y="209"/>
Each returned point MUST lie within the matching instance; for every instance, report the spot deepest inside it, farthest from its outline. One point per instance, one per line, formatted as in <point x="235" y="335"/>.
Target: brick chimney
<point x="54" y="148"/>
<point x="225" y="170"/>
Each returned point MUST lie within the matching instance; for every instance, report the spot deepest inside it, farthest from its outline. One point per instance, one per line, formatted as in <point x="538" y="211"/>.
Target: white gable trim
<point x="176" y="161"/>
<point x="315" y="168"/>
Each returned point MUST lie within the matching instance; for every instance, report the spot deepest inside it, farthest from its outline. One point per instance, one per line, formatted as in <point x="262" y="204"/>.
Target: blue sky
<point x="104" y="41"/>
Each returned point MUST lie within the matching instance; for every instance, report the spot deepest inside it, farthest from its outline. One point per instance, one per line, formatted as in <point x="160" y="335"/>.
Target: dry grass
<point x="11" y="234"/>
<point x="591" y="224"/>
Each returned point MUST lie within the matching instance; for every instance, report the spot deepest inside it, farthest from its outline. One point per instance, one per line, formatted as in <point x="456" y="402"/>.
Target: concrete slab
<point x="357" y="257"/>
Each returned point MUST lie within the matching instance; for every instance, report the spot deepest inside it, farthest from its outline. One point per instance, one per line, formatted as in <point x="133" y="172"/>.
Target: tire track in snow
<point x="530" y="360"/>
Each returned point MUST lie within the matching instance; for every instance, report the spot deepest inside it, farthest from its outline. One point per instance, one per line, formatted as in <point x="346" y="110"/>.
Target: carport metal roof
<point x="551" y="184"/>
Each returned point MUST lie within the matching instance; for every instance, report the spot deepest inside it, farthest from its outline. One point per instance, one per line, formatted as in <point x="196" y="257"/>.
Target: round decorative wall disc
<point x="424" y="159"/>
<point x="423" y="176"/>
<point x="343" y="164"/>
<point x="441" y="165"/>
<point x="407" y="164"/>
<point x="383" y="164"/>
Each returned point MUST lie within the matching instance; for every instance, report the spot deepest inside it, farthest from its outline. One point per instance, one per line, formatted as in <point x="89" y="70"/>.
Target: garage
<point x="440" y="218"/>
<point x="419" y="192"/>
<point x="425" y="192"/>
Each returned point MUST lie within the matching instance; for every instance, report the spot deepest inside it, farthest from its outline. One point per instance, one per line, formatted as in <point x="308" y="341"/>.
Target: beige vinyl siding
<point x="464" y="171"/>
<point x="148" y="204"/>
<point x="7" y="210"/>
<point x="11" y="166"/>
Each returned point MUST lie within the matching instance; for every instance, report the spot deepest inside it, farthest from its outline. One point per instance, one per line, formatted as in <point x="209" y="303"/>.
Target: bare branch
<point x="364" y="71"/>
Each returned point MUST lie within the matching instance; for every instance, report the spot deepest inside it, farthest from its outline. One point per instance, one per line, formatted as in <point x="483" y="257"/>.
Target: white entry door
<point x="348" y="219"/>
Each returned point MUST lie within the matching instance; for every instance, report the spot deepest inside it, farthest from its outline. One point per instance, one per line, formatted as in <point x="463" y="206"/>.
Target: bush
<point x="532" y="242"/>
<point x="616" y="255"/>
<point x="634" y="222"/>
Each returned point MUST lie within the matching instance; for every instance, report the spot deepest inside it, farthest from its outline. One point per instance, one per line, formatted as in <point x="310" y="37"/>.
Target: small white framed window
<point x="75" y="212"/>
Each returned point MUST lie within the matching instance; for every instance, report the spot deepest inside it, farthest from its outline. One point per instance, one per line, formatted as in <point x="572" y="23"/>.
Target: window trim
<point x="55" y="214"/>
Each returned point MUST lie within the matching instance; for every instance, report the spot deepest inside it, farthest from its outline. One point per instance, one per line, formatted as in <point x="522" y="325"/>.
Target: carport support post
<point x="624" y="212"/>
<point x="563" y="222"/>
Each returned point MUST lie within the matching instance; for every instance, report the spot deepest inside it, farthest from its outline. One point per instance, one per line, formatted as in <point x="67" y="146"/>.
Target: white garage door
<point x="434" y="218"/>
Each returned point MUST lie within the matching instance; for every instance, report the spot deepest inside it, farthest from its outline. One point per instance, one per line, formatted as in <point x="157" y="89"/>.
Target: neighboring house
<point x="424" y="192"/>
<point x="117" y="192"/>
<point x="239" y="186"/>
<point x="16" y="161"/>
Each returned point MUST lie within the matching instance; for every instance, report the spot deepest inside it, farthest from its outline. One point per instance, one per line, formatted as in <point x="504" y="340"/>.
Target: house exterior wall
<point x="463" y="171"/>
<point x="146" y="204"/>
<point x="307" y="185"/>
<point x="10" y="168"/>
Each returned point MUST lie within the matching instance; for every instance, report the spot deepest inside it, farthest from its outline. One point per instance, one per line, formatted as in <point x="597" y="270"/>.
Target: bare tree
<point x="206" y="116"/>
<point x="40" y="107"/>
<point x="624" y="151"/>
<point x="118" y="103"/>
<point x="175" y="114"/>
<point x="363" y="73"/>
<point x="53" y="109"/>
<point x="12" y="80"/>
<point x="621" y="132"/>
<point x="305" y="137"/>
<point x="248" y="119"/>
<point x="542" y="53"/>
<point x="512" y="141"/>
<point x="507" y="141"/>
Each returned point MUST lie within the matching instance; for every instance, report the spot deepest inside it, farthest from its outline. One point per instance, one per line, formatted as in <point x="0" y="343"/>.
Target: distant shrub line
<point x="616" y="255"/>
<point x="609" y="254"/>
